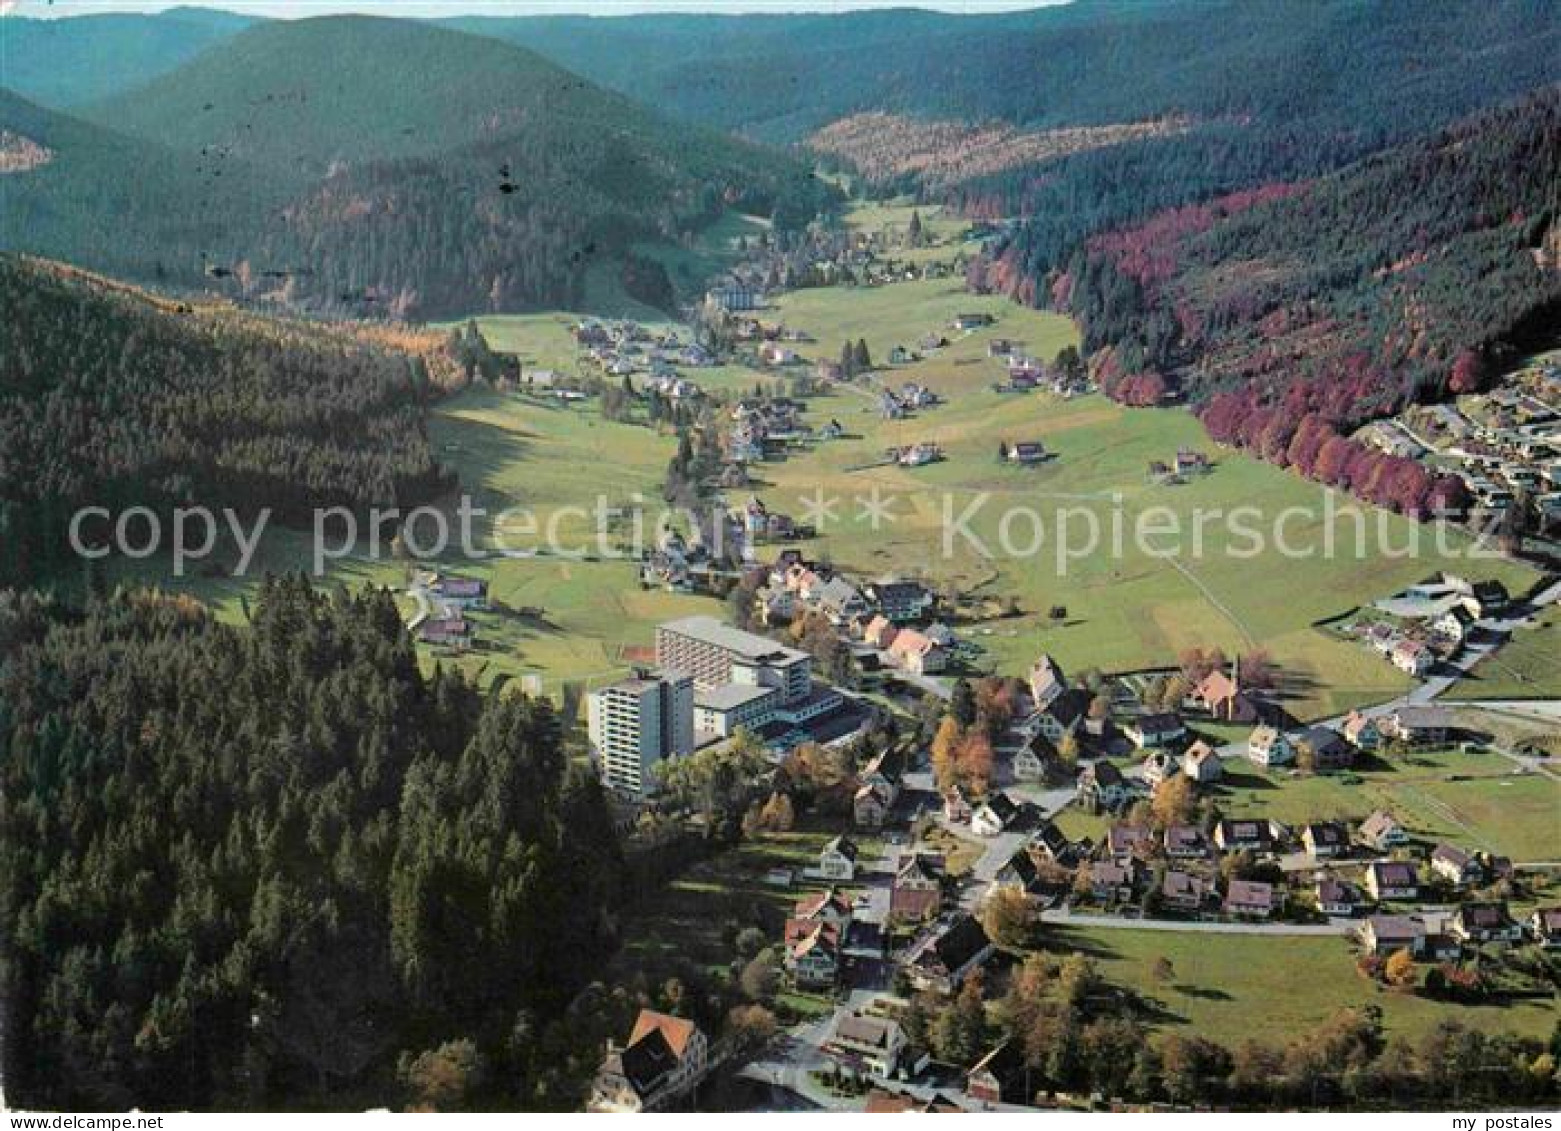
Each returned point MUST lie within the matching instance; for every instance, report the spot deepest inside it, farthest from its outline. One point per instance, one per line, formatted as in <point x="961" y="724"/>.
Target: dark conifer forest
<point x="246" y="866"/>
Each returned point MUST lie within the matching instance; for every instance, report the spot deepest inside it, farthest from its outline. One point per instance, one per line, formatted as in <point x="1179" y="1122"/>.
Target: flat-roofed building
<point x="638" y="722"/>
<point x="714" y="654"/>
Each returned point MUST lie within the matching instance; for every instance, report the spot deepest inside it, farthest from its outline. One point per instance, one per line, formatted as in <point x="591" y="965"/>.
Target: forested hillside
<point x="69" y="62"/>
<point x="1293" y="313"/>
<point x="248" y="867"/>
<point x="380" y="167"/>
<point x="112" y="398"/>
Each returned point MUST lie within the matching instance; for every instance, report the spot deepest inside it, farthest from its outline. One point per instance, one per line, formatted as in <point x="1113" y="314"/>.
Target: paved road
<point x="1065" y="918"/>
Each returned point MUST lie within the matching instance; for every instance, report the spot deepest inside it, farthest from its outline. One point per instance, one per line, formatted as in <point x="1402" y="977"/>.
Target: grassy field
<point x="1234" y="986"/>
<point x="1474" y="799"/>
<point x="1528" y="667"/>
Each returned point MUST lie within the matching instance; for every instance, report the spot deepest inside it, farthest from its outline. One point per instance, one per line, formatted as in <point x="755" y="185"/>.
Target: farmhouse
<point x="449" y="631"/>
<point x="664" y="1058"/>
<point x="1329" y="751"/>
<point x="462" y="592"/>
<point x="1419" y="725"/>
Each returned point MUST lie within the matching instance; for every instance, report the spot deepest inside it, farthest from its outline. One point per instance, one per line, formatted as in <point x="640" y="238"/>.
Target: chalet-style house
<point x="1102" y="788"/>
<point x="916" y="892"/>
<point x="1392" y="879"/>
<point x="1382" y="831"/>
<point x="864" y="1045"/>
<point x="1268" y="746"/>
<point x="664" y="1058"/>
<point x="1186" y="842"/>
<point x="837" y="859"/>
<point x="1338" y="897"/>
<point x="1325" y="840"/>
<point x="1154" y="730"/>
<point x="1201" y="763"/>
<point x="1062" y="716"/>
<point x="1249" y="899"/>
<point x="947" y="954"/>
<point x="1182" y="891"/>
<point x="1477" y="923"/>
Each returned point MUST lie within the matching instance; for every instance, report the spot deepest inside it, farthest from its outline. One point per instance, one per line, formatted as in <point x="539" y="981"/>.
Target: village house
<point x="1186" y="842"/>
<point x="1249" y="899"/>
<point x="1383" y="935"/>
<point x="839" y="600"/>
<point x="813" y="953"/>
<point x="1325" y="840"/>
<point x="877" y="792"/>
<point x="880" y="632"/>
<point x="865" y="1045"/>
<point x="1362" y="731"/>
<point x="1479" y="923"/>
<point x="1182" y="891"/>
<point x="461" y="592"/>
<point x="900" y="601"/>
<point x="994" y="815"/>
<point x="1419" y="725"/>
<point x="1235" y="835"/>
<point x="1545" y="926"/>
<point x="1051" y="843"/>
<point x="1102" y="788"/>
<point x="1268" y="746"/>
<point x="664" y="1058"/>
<point x="1190" y="462"/>
<point x="1158" y="766"/>
<point x="1201" y="763"/>
<point x="1457" y="867"/>
<point x="1392" y="879"/>
<point x="1412" y="657"/>
<point x="1018" y="873"/>
<point x="837" y="860"/>
<point x="956" y="806"/>
<point x="1329" y="751"/>
<point x="912" y="651"/>
<point x="1032" y="761"/>
<point x="1155" y="730"/>
<point x="947" y="954"/>
<point x="1486" y="598"/>
<point x="1382" y="831"/>
<point x="916" y="892"/>
<point x="1046" y="682"/>
<point x="1127" y="842"/>
<point x="1338" y="897"/>
<point x="1000" y="1077"/>
<point x="452" y="632"/>
<point x="1062" y="716"/>
<point x="1222" y="696"/>
<point x="1111" y="882"/>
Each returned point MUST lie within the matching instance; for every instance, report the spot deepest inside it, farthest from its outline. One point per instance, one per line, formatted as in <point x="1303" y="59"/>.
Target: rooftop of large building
<point x="748" y="645"/>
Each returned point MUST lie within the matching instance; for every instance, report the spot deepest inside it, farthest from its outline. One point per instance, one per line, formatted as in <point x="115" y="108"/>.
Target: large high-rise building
<point x="716" y="655"/>
<point x="638" y="722"/>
